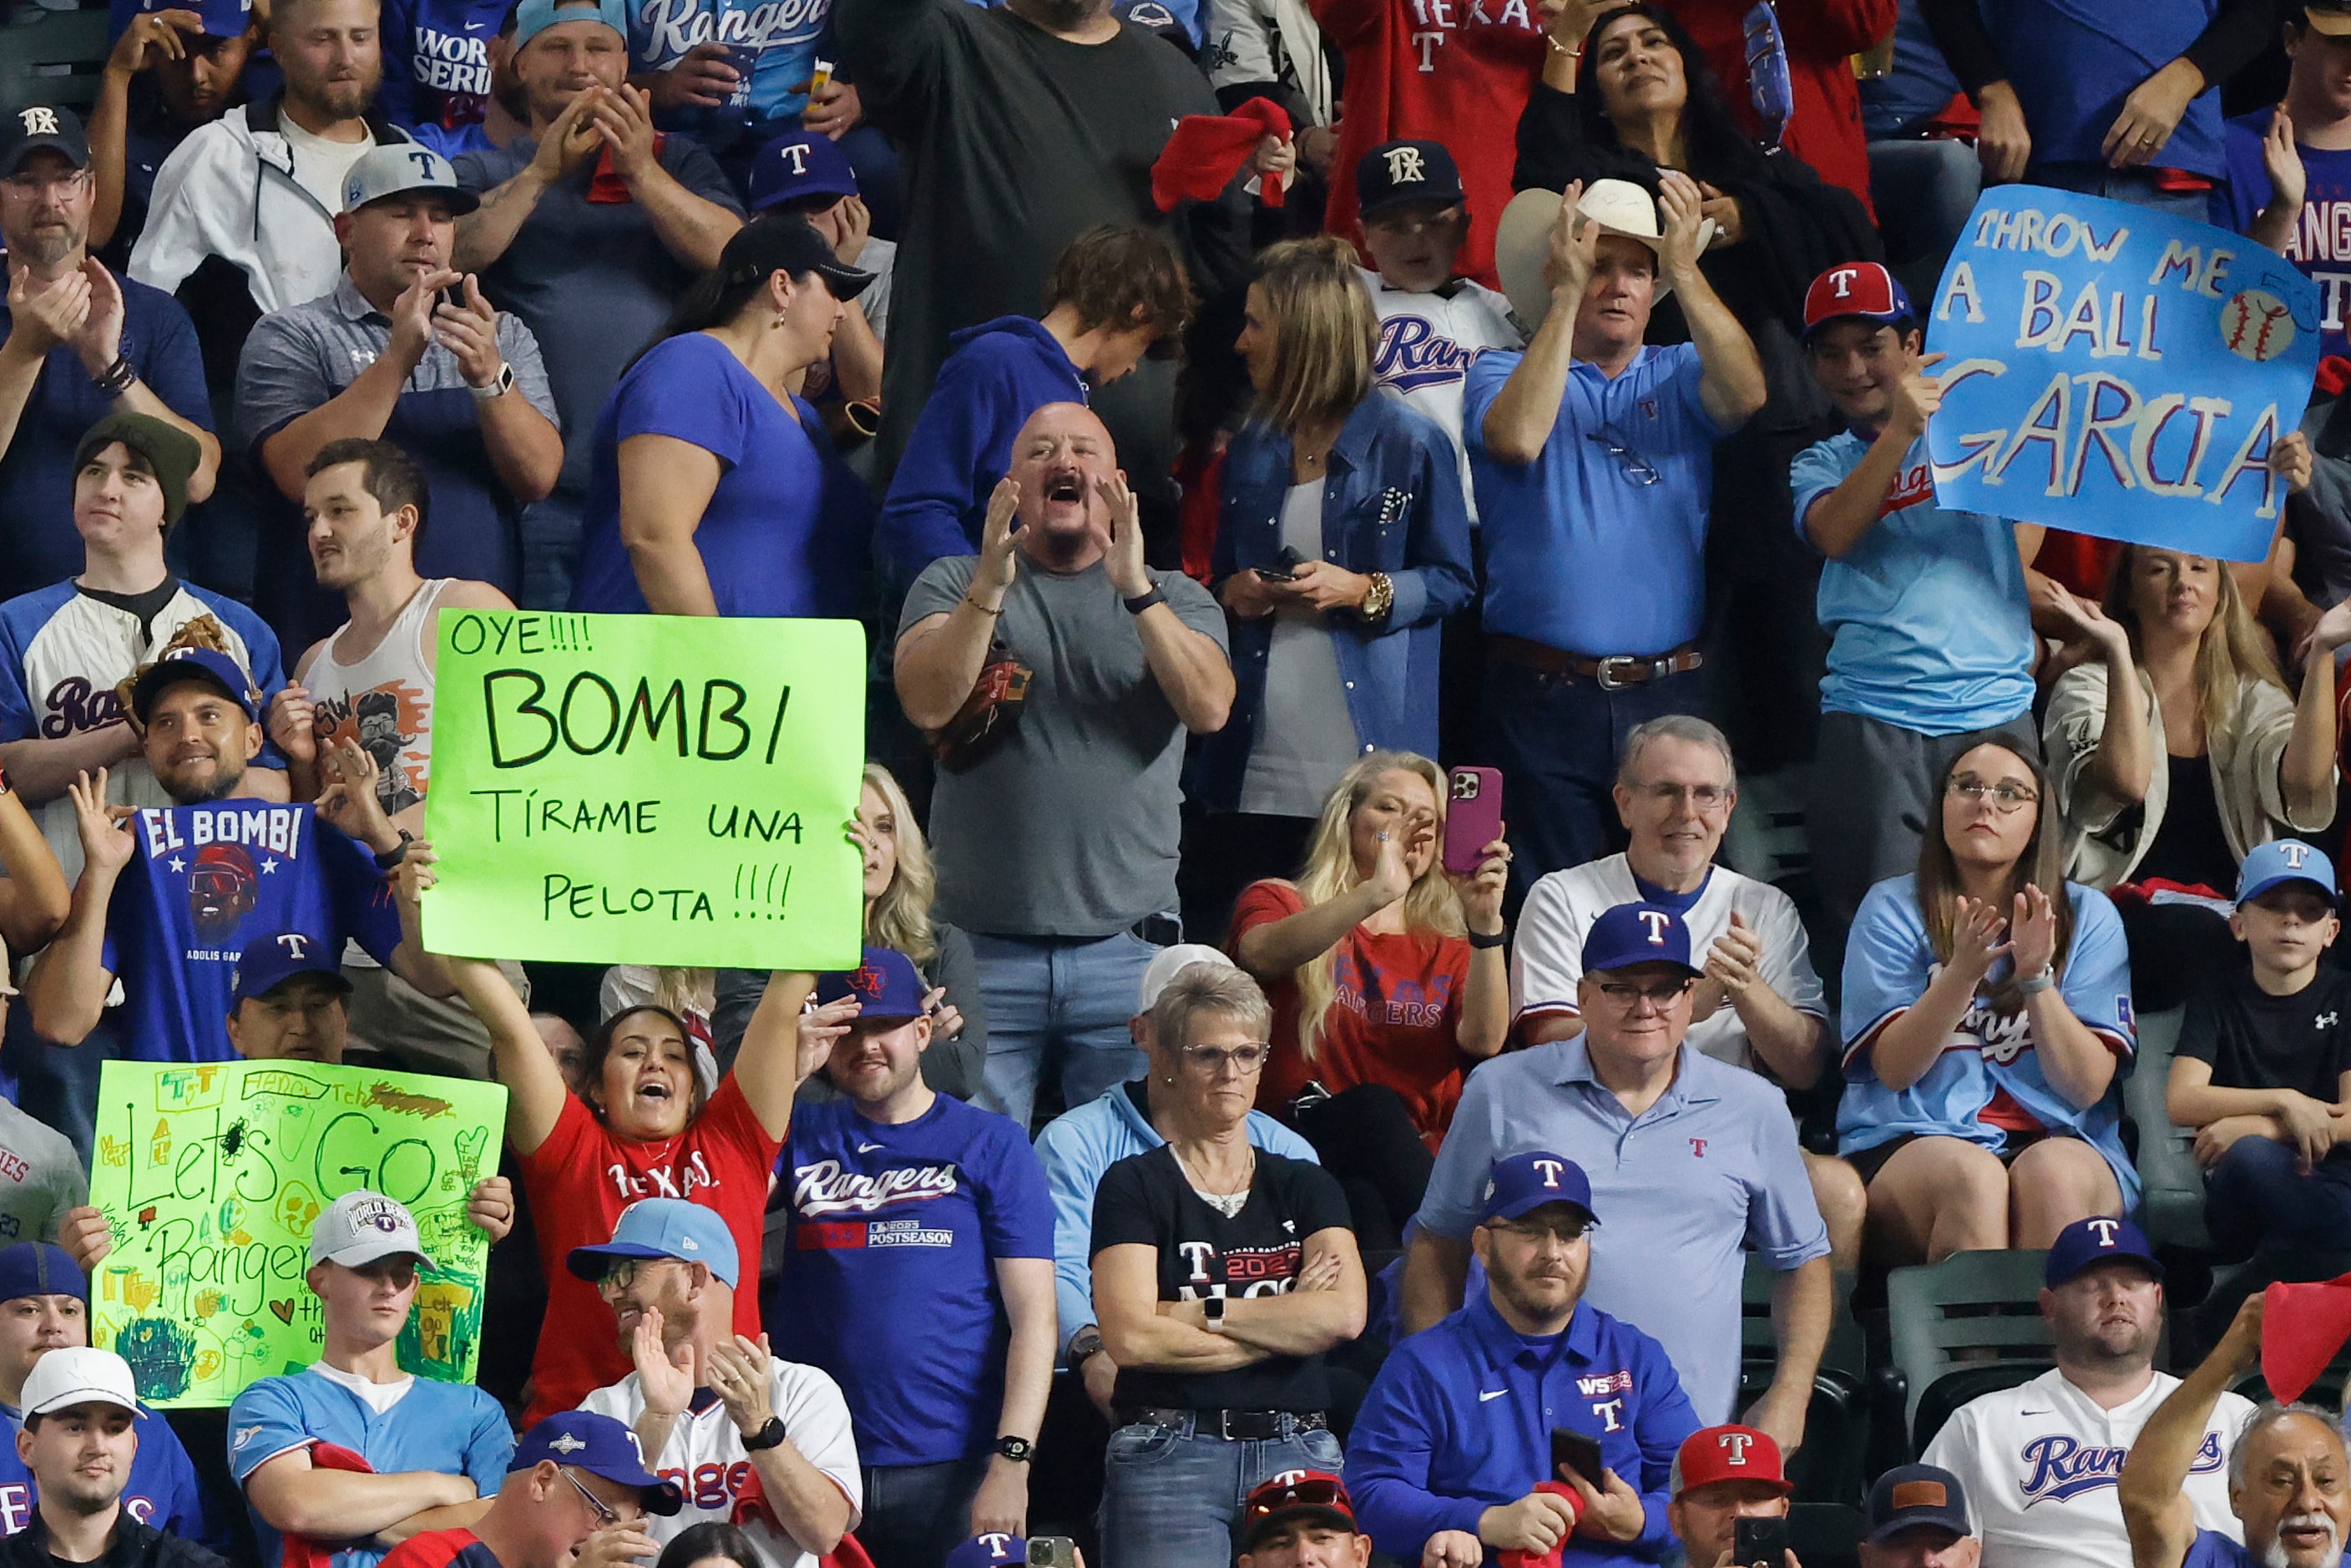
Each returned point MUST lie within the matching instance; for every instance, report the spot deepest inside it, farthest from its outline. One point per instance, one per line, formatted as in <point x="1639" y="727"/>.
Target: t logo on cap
<point x="1843" y="278"/>
<point x="2105" y="1230"/>
<point x="798" y="152"/>
<point x="297" y="945"/>
<point x="1735" y="1446"/>
<point x="1550" y="1169"/>
<point x="868" y="980"/>
<point x="2292" y="852"/>
<point x="996" y="1541"/>
<point x="39" y="121"/>
<point x="1658" y="922"/>
<point x="1406" y="166"/>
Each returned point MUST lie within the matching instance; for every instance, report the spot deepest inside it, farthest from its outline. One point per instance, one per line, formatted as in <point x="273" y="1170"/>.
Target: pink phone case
<point x="1473" y="817"/>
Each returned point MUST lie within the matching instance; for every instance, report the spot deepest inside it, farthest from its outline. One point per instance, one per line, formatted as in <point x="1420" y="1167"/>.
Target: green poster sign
<point x="647" y="789"/>
<point x="211" y="1175"/>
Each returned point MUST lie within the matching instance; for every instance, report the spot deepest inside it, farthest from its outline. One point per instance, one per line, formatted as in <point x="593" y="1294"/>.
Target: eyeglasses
<point x="1659" y="994"/>
<point x="1212" y="1062"/>
<point x="1705" y="797"/>
<point x="1633" y="466"/>
<point x="1563" y="1230"/>
<point x="1306" y="1491"/>
<point x="605" y="1516"/>
<point x="2006" y="798"/>
<point x="622" y="1271"/>
<point x="33" y="187"/>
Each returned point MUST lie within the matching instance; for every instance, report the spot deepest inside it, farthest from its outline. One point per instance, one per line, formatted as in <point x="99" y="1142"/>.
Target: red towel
<point x="2302" y="1327"/>
<point x="308" y="1551"/>
<point x="1516" y="1559"/>
<point x="2334" y="376"/>
<point x="751" y="1507"/>
<point x="1208" y="150"/>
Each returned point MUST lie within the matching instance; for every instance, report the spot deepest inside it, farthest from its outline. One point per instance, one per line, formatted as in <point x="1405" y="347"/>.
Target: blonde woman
<point x="899" y="884"/>
<point x="2181" y="748"/>
<point x="1388" y="981"/>
<point x="1342" y="545"/>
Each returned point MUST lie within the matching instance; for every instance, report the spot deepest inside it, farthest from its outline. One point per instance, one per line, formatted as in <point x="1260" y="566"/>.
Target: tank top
<point x="384" y="701"/>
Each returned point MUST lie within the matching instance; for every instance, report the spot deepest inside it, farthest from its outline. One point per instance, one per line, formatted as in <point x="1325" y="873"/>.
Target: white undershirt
<point x="320" y="164"/>
<point x="377" y="1396"/>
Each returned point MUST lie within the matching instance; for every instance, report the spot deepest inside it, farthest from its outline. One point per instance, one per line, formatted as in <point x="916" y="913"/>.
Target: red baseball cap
<point x="1862" y="289"/>
<point x="1728" y="1453"/>
<point x="1315" y="1495"/>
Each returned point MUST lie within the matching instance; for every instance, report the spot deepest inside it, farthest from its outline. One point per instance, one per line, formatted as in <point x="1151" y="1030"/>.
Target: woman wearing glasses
<point x="1221" y="1275"/>
<point x="1388" y="982"/>
<point x="2004" y="1140"/>
<point x="1343" y="546"/>
<point x="2183" y="749"/>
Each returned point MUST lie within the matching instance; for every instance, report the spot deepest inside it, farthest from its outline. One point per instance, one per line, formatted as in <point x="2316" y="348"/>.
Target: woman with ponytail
<point x="714" y="489"/>
<point x="1388" y="981"/>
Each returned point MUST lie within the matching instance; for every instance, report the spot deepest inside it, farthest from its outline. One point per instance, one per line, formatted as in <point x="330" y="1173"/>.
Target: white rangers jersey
<point x="1426" y="341"/>
<point x="2039" y="1463"/>
<point x="705" y="1455"/>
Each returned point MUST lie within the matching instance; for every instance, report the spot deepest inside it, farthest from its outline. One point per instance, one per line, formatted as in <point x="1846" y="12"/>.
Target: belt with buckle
<point x="1614" y="672"/>
<point x="1237" y="1426"/>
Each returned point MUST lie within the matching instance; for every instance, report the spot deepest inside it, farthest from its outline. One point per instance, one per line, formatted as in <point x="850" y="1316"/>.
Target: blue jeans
<point x="2135" y="186"/>
<point x="1170" y="1495"/>
<point x="915" y="1514"/>
<point x="2255" y="1200"/>
<point x="1923" y="187"/>
<point x="1556" y="739"/>
<point x="1063" y="999"/>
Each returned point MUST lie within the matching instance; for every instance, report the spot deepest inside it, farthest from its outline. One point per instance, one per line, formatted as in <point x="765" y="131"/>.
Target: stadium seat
<point x="1765" y="838"/>
<point x="1828" y="1467"/>
<point x="51" y="58"/>
<point x="1974" y="1317"/>
<point x="2171" y="1210"/>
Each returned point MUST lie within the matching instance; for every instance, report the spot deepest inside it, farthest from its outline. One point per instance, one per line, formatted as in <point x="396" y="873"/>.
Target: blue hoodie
<point x="1077" y="1146"/>
<point x="997" y="374"/>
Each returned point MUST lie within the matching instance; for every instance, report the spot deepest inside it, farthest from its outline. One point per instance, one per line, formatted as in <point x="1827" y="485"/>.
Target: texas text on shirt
<point x="1989" y="1076"/>
<point x="202" y="881"/>
<point x="1711" y="1168"/>
<point x="2039" y="1462"/>
<point x="1547" y="960"/>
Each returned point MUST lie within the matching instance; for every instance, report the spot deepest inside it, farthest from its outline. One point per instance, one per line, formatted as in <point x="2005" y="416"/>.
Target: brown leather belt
<point x="1614" y="673"/>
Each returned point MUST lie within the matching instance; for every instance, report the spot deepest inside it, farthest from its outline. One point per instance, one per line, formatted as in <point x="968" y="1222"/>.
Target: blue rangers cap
<point x="662" y="1228"/>
<point x="268" y="962"/>
<point x="600" y="1446"/>
<point x="2086" y="1243"/>
<point x="1521" y="1183"/>
<point x="1634" y="934"/>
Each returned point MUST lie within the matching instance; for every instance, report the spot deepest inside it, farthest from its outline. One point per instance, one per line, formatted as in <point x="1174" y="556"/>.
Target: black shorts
<point x="1872" y="1160"/>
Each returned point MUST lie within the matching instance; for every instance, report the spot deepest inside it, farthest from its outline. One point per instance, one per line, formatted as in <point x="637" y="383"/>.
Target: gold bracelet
<point x="1574" y="54"/>
<point x="982" y="609"/>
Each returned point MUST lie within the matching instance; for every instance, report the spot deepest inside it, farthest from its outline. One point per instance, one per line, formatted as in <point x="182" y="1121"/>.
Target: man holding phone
<point x="1730" y="1500"/>
<point x="1529" y="1420"/>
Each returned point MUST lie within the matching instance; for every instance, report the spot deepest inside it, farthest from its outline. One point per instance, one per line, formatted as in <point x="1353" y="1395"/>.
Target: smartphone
<point x="1577" y="1453"/>
<point x="1286" y="568"/>
<point x="453" y="296"/>
<point x="1052" y="1551"/>
<point x="1473" y="818"/>
<point x="1760" y="1542"/>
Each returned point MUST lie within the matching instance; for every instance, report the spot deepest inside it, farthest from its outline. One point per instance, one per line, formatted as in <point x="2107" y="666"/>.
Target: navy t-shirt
<point x="38" y="544"/>
<point x="890" y="1284"/>
<point x="436" y="61"/>
<point x="2321" y="242"/>
<point x="203" y="882"/>
<point x="785" y="532"/>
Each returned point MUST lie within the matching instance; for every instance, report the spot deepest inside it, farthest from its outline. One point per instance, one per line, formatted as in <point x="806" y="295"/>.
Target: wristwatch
<point x="1143" y="602"/>
<point x="389" y="860"/>
<point x="1019" y="1451"/>
<point x="766" y="1438"/>
<point x="1086" y="1344"/>
<point x="501" y="384"/>
<point x="1379" y="600"/>
<point x="1212" y="1312"/>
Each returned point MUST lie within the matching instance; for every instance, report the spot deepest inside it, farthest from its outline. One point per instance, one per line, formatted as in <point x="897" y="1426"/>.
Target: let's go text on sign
<point x="647" y="788"/>
<point x="2118" y="372"/>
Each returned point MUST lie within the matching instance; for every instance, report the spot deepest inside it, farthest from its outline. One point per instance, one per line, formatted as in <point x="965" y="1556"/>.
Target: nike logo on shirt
<point x="867" y="1148"/>
<point x="1484" y="1395"/>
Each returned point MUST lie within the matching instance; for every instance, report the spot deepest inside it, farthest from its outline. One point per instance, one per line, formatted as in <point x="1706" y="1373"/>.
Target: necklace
<point x="1229" y="1203"/>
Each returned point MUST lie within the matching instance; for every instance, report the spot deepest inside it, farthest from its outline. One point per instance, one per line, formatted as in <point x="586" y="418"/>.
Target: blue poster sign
<point x="2116" y="370"/>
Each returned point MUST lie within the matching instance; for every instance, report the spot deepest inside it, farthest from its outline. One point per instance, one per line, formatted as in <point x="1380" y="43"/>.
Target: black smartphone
<point x="1286" y="569"/>
<point x="1760" y="1542"/>
<point x="1577" y="1452"/>
<point x="453" y="296"/>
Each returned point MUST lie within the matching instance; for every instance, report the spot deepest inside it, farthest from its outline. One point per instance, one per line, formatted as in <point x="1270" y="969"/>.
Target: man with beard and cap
<point x="920" y="1275"/>
<point x="2287" y="1472"/>
<point x="2040" y="1460"/>
<point x="1301" y="1519"/>
<point x="1451" y="1453"/>
<point x="80" y="1440"/>
<point x="1057" y="829"/>
<point x="578" y="1495"/>
<point x="82" y="343"/>
<point x="168" y="898"/>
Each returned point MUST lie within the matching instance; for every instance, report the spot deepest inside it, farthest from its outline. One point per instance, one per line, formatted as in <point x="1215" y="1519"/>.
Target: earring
<point x="780" y="319"/>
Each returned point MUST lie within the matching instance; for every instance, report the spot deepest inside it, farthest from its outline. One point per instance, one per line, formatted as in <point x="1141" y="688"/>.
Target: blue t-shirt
<point x="2321" y="242"/>
<point x="162" y="1491"/>
<point x="38" y="543"/>
<point x="455" y="1428"/>
<point x="2211" y="1549"/>
<point x="785" y="532"/>
<point x="890" y="1284"/>
<point x="1580" y="555"/>
<point x="206" y="880"/>
<point x="1989" y="1065"/>
<point x="2072" y="63"/>
<point x="1932" y="632"/>
<point x="783" y="42"/>
<point x="436" y="63"/>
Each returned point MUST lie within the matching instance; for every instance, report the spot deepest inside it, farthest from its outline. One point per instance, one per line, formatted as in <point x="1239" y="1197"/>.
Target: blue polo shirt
<point x="2211" y="1549"/>
<point x="1460" y="1417"/>
<point x="452" y="1427"/>
<point x="1711" y="1169"/>
<point x="1580" y="556"/>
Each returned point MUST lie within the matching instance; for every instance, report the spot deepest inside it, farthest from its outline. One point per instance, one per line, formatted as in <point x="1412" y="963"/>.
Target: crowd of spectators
<point x="1338" y="1067"/>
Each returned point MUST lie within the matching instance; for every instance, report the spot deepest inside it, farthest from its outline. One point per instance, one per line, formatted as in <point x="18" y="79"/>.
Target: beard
<point x="186" y="791"/>
<point x="49" y="246"/>
<point x="337" y="99"/>
<point x="2273" y="1555"/>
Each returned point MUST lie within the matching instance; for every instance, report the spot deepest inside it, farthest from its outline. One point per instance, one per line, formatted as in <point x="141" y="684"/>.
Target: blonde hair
<point x="1206" y="991"/>
<point x="2234" y="650"/>
<point x="1326" y="331"/>
<point x="1431" y="906"/>
<point x="901" y="917"/>
<point x="683" y="993"/>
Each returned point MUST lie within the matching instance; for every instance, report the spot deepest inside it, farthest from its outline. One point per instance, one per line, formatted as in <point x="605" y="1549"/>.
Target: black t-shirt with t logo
<point x="1147" y="1200"/>
<point x="2255" y="1040"/>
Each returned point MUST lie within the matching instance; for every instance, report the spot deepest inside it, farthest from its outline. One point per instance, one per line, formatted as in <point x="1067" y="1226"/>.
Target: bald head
<point x="2287" y="1484"/>
<point x="1057" y="458"/>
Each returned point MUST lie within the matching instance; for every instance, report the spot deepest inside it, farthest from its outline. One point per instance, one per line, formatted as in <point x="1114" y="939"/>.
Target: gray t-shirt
<point x="1069" y="827"/>
<point x="40" y="1178"/>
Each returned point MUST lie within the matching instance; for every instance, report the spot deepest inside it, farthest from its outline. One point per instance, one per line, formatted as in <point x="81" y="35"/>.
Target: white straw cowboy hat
<point x="1522" y="238"/>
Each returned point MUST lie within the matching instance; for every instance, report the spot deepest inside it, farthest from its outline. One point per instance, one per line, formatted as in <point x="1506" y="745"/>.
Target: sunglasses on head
<point x="1307" y="1493"/>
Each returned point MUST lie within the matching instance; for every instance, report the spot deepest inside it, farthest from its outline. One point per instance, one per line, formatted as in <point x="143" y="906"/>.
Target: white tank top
<point x="384" y="700"/>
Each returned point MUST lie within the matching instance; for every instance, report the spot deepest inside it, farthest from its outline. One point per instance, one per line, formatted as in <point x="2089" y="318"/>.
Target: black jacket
<point x="135" y="1545"/>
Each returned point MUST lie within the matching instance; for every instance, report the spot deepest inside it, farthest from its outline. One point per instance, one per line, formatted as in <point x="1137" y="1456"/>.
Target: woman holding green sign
<point x="643" y="1129"/>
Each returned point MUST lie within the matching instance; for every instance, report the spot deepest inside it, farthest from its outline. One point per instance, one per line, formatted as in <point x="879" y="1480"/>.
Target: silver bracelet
<point x="2035" y="984"/>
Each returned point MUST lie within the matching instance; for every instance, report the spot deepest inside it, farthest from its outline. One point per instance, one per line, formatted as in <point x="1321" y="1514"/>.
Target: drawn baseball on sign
<point x="2256" y="325"/>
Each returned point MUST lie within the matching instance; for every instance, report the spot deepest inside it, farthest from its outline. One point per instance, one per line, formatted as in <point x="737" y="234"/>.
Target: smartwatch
<point x="1143" y="602"/>
<point x="1019" y="1451"/>
<point x="1213" y="1312"/>
<point x="499" y="386"/>
<point x="767" y="1437"/>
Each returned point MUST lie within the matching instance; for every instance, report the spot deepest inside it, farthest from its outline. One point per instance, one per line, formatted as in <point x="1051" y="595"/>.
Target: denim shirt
<point x="1392" y="502"/>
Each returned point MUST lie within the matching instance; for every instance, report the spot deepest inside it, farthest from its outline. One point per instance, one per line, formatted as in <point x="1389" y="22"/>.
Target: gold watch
<point x="1379" y="600"/>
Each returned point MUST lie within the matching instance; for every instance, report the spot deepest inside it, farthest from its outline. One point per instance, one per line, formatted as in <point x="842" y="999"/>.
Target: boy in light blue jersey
<point x="1931" y="647"/>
